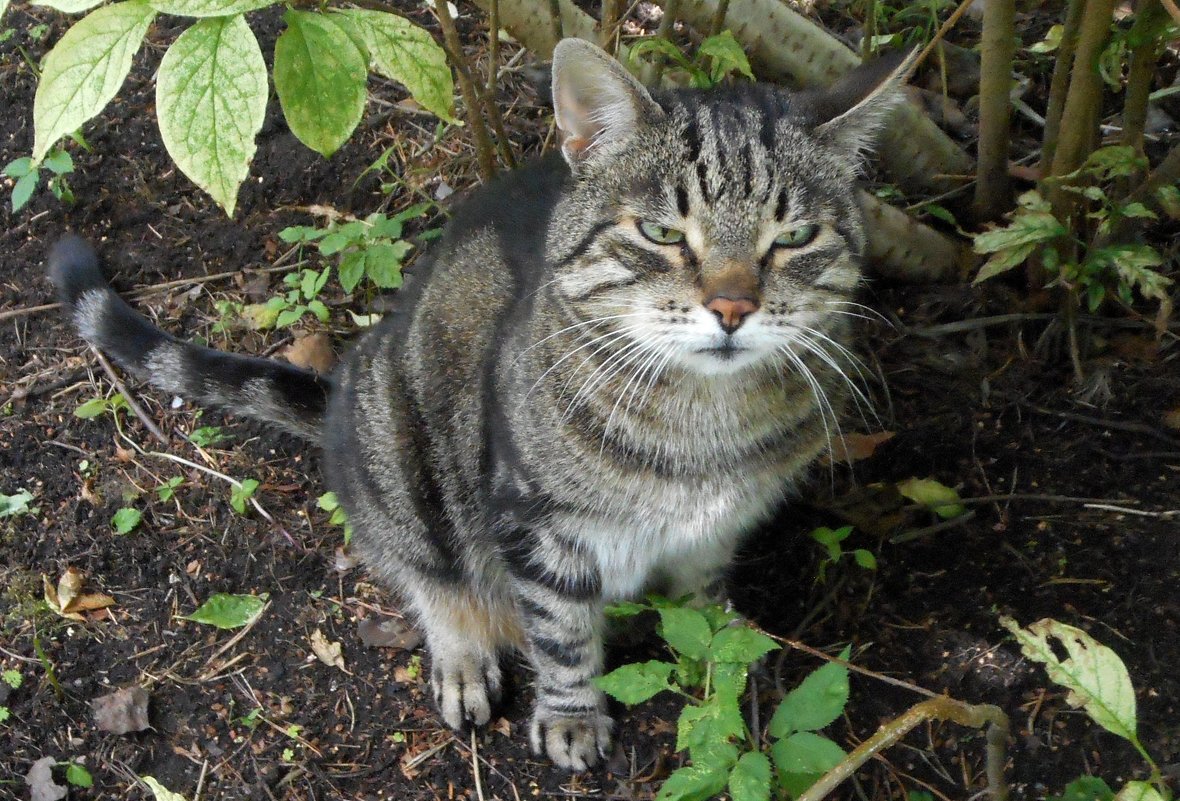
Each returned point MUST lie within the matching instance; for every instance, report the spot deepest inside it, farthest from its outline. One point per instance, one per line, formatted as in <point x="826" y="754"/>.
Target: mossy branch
<point x="1079" y="117"/>
<point x="943" y="709"/>
<point x="1149" y="14"/>
<point x="995" y="83"/>
<point x="787" y="47"/>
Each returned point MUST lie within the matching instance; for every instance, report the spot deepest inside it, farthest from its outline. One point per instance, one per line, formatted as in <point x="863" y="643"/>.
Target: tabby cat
<point x="618" y="361"/>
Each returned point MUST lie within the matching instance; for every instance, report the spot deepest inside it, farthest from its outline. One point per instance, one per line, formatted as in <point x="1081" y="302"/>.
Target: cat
<point x="618" y="361"/>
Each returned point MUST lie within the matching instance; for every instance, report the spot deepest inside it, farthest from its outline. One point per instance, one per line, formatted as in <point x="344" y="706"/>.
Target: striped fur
<point x="563" y="411"/>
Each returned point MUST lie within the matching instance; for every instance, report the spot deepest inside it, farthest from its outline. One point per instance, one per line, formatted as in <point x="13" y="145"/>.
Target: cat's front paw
<point x="465" y="688"/>
<point x="573" y="742"/>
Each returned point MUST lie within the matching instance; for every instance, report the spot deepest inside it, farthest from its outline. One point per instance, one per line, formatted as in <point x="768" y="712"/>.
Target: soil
<point x="1081" y="524"/>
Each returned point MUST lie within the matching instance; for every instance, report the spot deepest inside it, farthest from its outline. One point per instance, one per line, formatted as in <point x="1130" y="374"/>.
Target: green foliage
<point x="12" y="678"/>
<point x="227" y="611"/>
<point x="57" y="162"/>
<point x="166" y="491"/>
<point x="710" y="657"/>
<point x="301" y="297"/>
<point x="5" y="714"/>
<point x="329" y="503"/>
<point x="78" y="776"/>
<point x="17" y="504"/>
<point x="211" y="87"/>
<point x="717" y="58"/>
<point x="206" y="436"/>
<point x="97" y="406"/>
<point x="1035" y="231"/>
<point x="939" y="498"/>
<point x="242" y="493"/>
<point x="832" y="540"/>
<point x="127" y="520"/>
<point x="1099" y="685"/>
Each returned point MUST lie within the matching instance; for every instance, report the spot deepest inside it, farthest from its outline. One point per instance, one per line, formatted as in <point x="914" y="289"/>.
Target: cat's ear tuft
<point x="850" y="114"/>
<point x="598" y="104"/>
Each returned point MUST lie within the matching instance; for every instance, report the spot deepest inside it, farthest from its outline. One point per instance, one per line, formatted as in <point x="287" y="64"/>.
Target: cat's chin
<point x="719" y="361"/>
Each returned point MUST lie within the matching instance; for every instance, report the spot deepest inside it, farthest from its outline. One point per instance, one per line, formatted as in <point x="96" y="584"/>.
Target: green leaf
<point x="12" y="678"/>
<point x="401" y="51"/>
<point x="637" y="682"/>
<point x="1169" y="199"/>
<point x="383" y="264"/>
<point x="1138" y="791"/>
<point x="16" y="505"/>
<point x="320" y="79"/>
<point x="693" y="783"/>
<point x="729" y="681"/>
<point x="227" y="611"/>
<point x="328" y="502"/>
<point x="351" y="269"/>
<point x="686" y="630"/>
<point x="78" y="776"/>
<point x="208" y="8"/>
<point x="58" y="162"/>
<point x="23" y="189"/>
<point x="1051" y="41"/>
<point x="1137" y="210"/>
<point x="1004" y="261"/>
<point x="207" y="435"/>
<point x="92" y="408"/>
<point x="211" y="94"/>
<point x="5" y="713"/>
<point x="806" y="753"/>
<point x="1113" y="161"/>
<point x="18" y="168"/>
<point x="727" y="55"/>
<point x="817" y="701"/>
<point x="126" y="520"/>
<point x="160" y="792"/>
<point x="1086" y="788"/>
<point x="865" y="559"/>
<point x="167" y="490"/>
<point x="750" y="778"/>
<point x="85" y="69"/>
<point x="289" y="316"/>
<point x="318" y="308"/>
<point x="239" y="495"/>
<point x="831" y="539"/>
<point x="1027" y="227"/>
<point x="334" y="242"/>
<point x="1096" y="678"/>
<point x="658" y="44"/>
<point x="740" y="644"/>
<point x="939" y="498"/>
<point x="708" y="724"/>
<point x="68" y="6"/>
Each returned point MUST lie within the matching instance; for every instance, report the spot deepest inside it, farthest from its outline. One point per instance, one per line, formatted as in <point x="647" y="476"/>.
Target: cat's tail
<point x="264" y="389"/>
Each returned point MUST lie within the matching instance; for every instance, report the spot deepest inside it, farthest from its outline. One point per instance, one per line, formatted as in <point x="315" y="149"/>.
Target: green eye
<point x="659" y="234"/>
<point x="798" y="237"/>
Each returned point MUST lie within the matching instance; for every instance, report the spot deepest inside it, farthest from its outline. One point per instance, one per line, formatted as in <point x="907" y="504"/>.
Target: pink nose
<point x="731" y="313"/>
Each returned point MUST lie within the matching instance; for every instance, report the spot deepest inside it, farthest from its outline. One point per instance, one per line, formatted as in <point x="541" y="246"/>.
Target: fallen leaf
<point x="939" y="498"/>
<point x="40" y="781"/>
<point x="66" y="596"/>
<point x="1172" y="419"/>
<point x="391" y="633"/>
<point x="122" y="711"/>
<point x="854" y="447"/>
<point x="504" y="726"/>
<point x="345" y="561"/>
<point x="314" y="351"/>
<point x="327" y="651"/>
<point x="161" y="792"/>
<point x="403" y="675"/>
<point x="226" y="611"/>
<point x="259" y="316"/>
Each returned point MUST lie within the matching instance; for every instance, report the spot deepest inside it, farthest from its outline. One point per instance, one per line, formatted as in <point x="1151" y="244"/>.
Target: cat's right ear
<point x="598" y="104"/>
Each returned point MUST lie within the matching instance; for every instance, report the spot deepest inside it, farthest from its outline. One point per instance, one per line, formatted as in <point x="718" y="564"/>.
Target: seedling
<point x="832" y="541"/>
<point x="241" y="494"/>
<point x="718" y="58"/>
<point x="166" y="491"/>
<point x="337" y="517"/>
<point x="98" y="406"/>
<point x="57" y="163"/>
<point x="127" y="520"/>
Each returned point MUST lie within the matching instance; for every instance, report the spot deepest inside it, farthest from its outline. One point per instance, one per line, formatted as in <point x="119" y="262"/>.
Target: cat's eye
<point x="797" y="237"/>
<point x="659" y="234"/>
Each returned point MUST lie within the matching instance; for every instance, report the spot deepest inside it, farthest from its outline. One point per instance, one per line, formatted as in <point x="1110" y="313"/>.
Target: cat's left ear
<point x="849" y="115"/>
<point x="598" y="104"/>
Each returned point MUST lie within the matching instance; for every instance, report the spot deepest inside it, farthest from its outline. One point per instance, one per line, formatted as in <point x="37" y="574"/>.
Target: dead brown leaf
<point x="1172" y="419"/>
<point x="122" y="711"/>
<point x="391" y="633"/>
<point x="66" y="596"/>
<point x="313" y="351"/>
<point x="855" y="447"/>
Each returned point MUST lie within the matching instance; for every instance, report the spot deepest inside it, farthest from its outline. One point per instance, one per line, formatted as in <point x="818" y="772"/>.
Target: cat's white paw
<point x="573" y="743"/>
<point x="465" y="688"/>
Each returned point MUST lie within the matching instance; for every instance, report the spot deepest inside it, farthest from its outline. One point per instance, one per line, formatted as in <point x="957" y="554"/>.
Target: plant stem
<point x="655" y="68"/>
<point x="717" y="24"/>
<point x="1079" y="117"/>
<point x="611" y="13"/>
<point x="999" y="46"/>
<point x="484" y="151"/>
<point x="1140" y="71"/>
<point x="555" y="22"/>
<point x="1059" y="84"/>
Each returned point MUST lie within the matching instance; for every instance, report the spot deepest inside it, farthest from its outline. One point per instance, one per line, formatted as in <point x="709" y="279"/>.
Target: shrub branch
<point x="995" y="81"/>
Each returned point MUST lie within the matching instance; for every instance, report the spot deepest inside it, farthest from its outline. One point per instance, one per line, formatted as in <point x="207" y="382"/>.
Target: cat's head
<point x="718" y="227"/>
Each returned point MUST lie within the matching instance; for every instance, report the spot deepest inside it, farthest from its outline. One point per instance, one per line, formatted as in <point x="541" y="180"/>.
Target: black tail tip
<point x="73" y="268"/>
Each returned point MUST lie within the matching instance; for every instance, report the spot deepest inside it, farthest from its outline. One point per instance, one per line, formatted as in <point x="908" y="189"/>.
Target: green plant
<point x="717" y="58"/>
<point x="212" y="84"/>
<point x="127" y="520"/>
<point x="712" y="653"/>
<point x="12" y="678"/>
<point x="370" y="248"/>
<point x="242" y="493"/>
<point x="1099" y="685"/>
<point x="336" y="516"/>
<point x="97" y="406"/>
<point x="17" y="504"/>
<point x="57" y="162"/>
<point x="167" y="490"/>
<point x="1083" y="267"/>
<point x="77" y="775"/>
<point x="206" y="436"/>
<point x="832" y="541"/>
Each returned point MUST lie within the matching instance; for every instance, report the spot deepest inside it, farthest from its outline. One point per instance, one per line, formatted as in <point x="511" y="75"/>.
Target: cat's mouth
<point x="726" y="350"/>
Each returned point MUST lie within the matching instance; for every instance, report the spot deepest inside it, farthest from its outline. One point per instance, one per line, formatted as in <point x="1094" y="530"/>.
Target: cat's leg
<point x="560" y="606"/>
<point x="465" y="635"/>
<point x="702" y="575"/>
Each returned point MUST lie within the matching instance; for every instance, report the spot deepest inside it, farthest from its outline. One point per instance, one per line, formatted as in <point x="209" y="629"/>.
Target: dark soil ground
<point x="1081" y="525"/>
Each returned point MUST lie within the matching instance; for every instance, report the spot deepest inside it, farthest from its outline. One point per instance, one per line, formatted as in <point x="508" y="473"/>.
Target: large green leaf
<point x="401" y="51"/>
<point x="740" y="644"/>
<point x="750" y="778"/>
<point x="686" y="630"/>
<point x="208" y="8"/>
<point x="211" y="100"/>
<point x="699" y="781"/>
<point x="817" y="701"/>
<point x="1138" y="791"/>
<point x="635" y="683"/>
<point x="806" y="753"/>
<point x="1096" y="678"/>
<point x="228" y="611"/>
<point x="320" y="78"/>
<point x="85" y="69"/>
<point x="64" y="6"/>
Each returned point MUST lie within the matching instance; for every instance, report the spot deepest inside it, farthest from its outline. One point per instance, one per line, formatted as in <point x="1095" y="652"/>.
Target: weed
<point x="97" y="406"/>
<point x="77" y="775"/>
<point x="717" y="58"/>
<point x="166" y="491"/>
<point x="58" y="163"/>
<point x="242" y="493"/>
<point x="832" y="541"/>
<point x="127" y="519"/>
<point x="329" y="503"/>
<point x="206" y="436"/>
